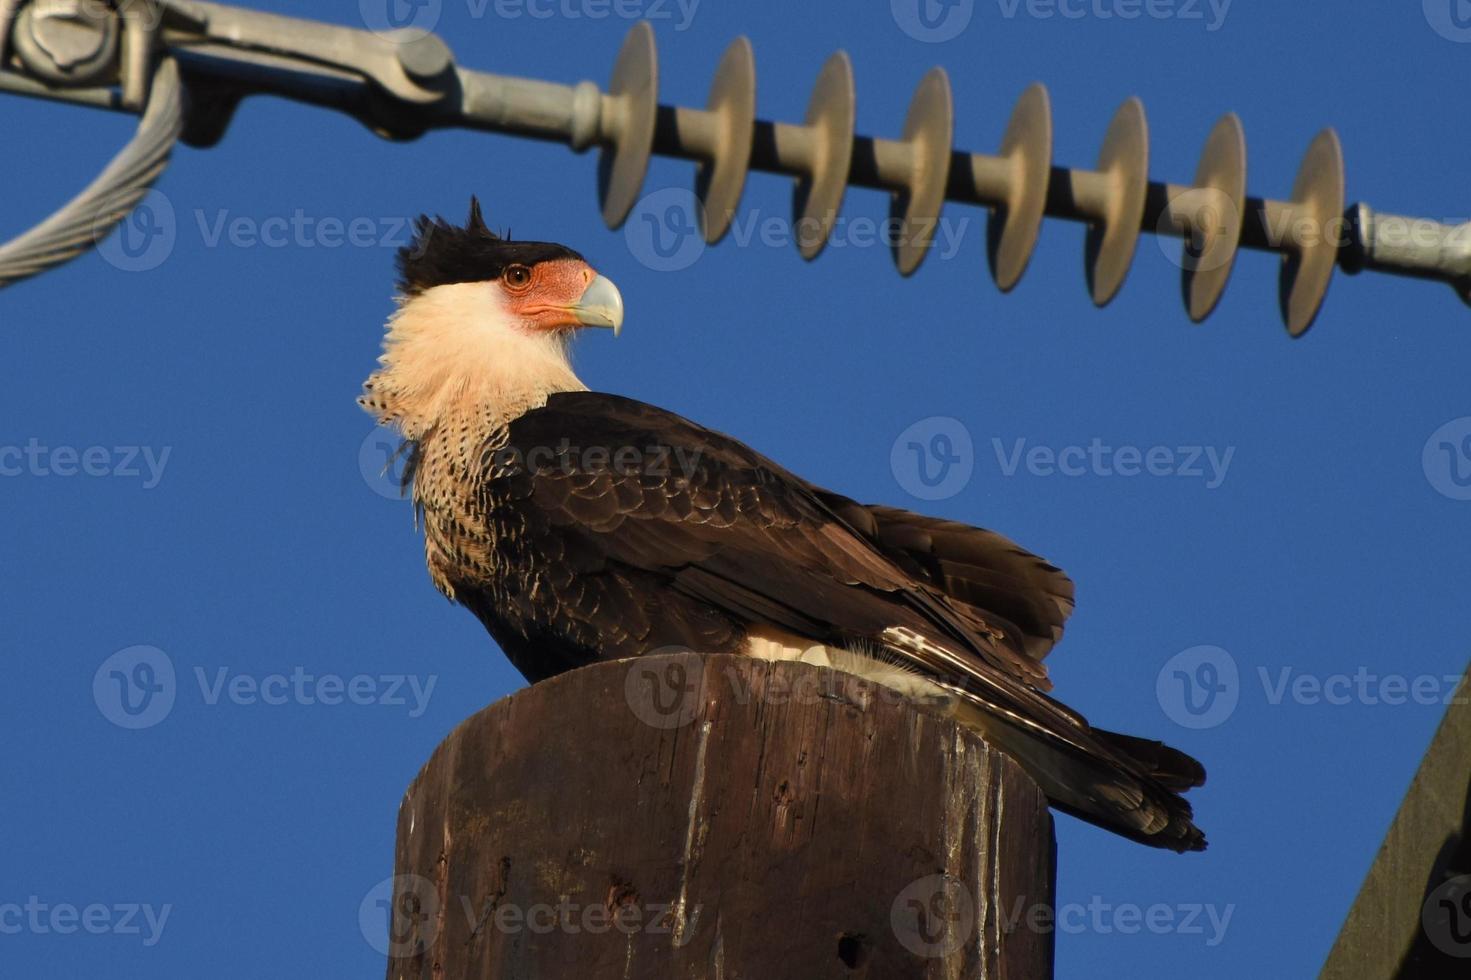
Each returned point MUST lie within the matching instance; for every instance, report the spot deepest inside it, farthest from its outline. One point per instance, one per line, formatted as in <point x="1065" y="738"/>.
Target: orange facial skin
<point x="544" y="296"/>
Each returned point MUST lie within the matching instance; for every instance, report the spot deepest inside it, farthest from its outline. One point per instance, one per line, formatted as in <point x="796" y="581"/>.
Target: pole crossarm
<point x="402" y="84"/>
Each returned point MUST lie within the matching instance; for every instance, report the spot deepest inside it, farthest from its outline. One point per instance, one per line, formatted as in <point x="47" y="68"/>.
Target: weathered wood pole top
<point x="719" y="817"/>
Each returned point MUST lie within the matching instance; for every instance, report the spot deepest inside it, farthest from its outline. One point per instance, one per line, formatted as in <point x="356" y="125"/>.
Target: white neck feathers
<point x="453" y="353"/>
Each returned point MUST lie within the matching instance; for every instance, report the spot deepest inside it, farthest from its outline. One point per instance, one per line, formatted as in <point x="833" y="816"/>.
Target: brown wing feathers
<point x="980" y="568"/>
<point x="736" y="536"/>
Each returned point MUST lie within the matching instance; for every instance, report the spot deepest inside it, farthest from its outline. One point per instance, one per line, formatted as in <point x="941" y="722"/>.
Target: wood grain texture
<point x="715" y="817"/>
<point x="1412" y="917"/>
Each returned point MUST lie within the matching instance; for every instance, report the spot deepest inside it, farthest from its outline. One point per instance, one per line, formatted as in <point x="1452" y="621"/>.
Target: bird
<point x="580" y="526"/>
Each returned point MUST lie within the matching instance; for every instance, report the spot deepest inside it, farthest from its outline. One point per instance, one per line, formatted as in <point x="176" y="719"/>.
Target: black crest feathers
<point x="476" y="222"/>
<point x="442" y="253"/>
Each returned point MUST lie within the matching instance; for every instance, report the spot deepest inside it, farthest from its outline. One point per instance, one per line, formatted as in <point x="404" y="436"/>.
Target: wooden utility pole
<point x="1412" y="918"/>
<point x="683" y="816"/>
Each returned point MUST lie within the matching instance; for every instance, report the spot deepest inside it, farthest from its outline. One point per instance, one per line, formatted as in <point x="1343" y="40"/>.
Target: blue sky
<point x="1295" y="526"/>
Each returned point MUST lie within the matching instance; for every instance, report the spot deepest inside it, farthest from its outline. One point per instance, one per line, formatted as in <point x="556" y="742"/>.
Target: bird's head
<point x="483" y="324"/>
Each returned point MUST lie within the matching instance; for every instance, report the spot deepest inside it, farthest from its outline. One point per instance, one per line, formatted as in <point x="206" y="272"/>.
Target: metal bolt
<point x="66" y="33"/>
<point x="67" y="42"/>
<point x="425" y="58"/>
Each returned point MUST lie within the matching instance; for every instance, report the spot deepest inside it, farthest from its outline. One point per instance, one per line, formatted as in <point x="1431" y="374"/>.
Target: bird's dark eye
<point x="518" y="276"/>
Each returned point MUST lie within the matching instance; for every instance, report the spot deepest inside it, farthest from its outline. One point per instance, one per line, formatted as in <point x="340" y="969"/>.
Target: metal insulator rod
<point x="781" y="148"/>
<point x="1416" y="247"/>
<point x="689" y="134"/>
<point x="532" y="108"/>
<point x="402" y="88"/>
<point x="881" y="164"/>
<point x="1116" y="201"/>
<point x="1078" y="195"/>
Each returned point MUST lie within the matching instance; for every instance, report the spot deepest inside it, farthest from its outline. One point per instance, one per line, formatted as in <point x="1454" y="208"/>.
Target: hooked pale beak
<point x="600" y="305"/>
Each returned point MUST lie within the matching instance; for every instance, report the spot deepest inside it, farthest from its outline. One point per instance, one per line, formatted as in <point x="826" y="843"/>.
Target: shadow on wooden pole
<point x="687" y="816"/>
